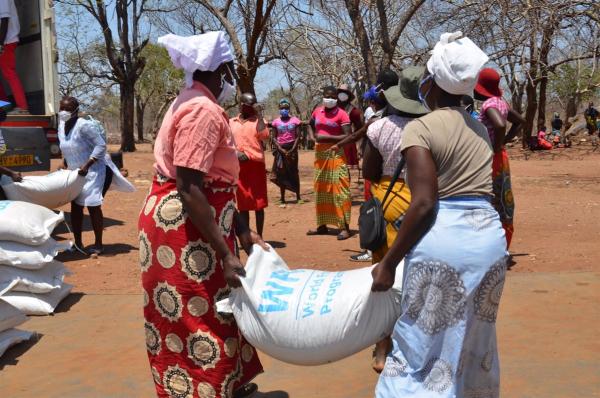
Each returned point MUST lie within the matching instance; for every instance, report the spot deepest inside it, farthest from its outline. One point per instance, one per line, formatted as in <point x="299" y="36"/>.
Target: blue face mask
<point x="285" y="113"/>
<point x="423" y="98"/>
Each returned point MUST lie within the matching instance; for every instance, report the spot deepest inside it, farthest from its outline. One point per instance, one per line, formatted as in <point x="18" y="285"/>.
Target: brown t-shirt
<point x="460" y="147"/>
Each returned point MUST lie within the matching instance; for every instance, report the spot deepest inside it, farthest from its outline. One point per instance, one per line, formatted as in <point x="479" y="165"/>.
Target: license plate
<point x="16" y="160"/>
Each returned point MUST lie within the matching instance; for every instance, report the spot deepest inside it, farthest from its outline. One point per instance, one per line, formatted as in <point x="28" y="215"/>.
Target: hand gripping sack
<point x="27" y="223"/>
<point x="52" y="190"/>
<point x="310" y="317"/>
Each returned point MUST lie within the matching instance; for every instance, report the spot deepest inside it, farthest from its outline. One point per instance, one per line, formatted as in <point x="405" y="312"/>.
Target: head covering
<point x="405" y="96"/>
<point x="344" y="88"/>
<point x="488" y="83"/>
<point x="556" y="115"/>
<point x="205" y="52"/>
<point x="387" y="78"/>
<point x="284" y="101"/>
<point x="455" y="63"/>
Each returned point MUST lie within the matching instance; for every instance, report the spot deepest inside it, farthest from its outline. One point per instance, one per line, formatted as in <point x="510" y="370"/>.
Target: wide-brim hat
<point x="488" y="83"/>
<point x="343" y="88"/>
<point x="405" y="96"/>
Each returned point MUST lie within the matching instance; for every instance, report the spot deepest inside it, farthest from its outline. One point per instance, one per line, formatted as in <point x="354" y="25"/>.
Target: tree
<point x="123" y="52"/>
<point x="156" y="88"/>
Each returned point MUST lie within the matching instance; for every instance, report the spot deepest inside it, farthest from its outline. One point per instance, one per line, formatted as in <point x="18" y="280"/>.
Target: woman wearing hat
<point x="286" y="139"/>
<point x="495" y="112"/>
<point x="187" y="231"/>
<point x="345" y="98"/>
<point x="382" y="155"/>
<point x="451" y="240"/>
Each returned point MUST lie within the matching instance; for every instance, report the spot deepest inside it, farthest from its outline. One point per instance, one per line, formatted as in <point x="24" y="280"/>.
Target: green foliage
<point x="160" y="80"/>
<point x="575" y="81"/>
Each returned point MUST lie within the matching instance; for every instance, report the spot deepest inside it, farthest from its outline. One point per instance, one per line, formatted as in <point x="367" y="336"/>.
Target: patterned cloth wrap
<point x="445" y="341"/>
<point x="332" y="187"/>
<point x="503" y="199"/>
<point x="193" y="351"/>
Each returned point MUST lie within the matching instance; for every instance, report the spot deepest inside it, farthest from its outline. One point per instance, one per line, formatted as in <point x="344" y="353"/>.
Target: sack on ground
<point x="53" y="190"/>
<point x="43" y="280"/>
<point x="31" y="257"/>
<point x="37" y="304"/>
<point x="310" y="317"/>
<point x="10" y="317"/>
<point x="10" y="337"/>
<point x="27" y="223"/>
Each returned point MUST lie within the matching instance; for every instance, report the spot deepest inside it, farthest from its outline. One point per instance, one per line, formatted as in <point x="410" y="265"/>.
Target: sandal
<point x="95" y="251"/>
<point x="300" y="202"/>
<point x="343" y="235"/>
<point x="322" y="230"/>
<point x="245" y="391"/>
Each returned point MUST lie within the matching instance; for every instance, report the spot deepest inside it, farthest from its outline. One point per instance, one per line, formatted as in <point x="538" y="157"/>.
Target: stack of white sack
<point x="30" y="279"/>
<point x="10" y="318"/>
<point x="58" y="188"/>
<point x="310" y="317"/>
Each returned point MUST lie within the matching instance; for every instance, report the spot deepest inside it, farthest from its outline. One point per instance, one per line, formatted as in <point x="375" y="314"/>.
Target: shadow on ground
<point x="12" y="355"/>
<point x="87" y="225"/>
<point x="110" y="250"/>
<point x="69" y="302"/>
<point x="277" y="244"/>
<point x="271" y="394"/>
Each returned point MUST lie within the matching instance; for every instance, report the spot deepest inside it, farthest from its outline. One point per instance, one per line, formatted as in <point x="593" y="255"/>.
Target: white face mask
<point x="64" y="116"/>
<point x="329" y="103"/>
<point x="227" y="90"/>
<point x="343" y="97"/>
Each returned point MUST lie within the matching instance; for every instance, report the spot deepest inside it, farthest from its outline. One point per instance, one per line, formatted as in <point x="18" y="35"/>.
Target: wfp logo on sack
<point x="276" y="298"/>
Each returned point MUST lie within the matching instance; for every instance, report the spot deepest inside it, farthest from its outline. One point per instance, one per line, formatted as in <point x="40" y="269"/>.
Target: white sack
<point x="119" y="183"/>
<point x="31" y="257"/>
<point x="39" y="281"/>
<point x="37" y="304"/>
<point x="27" y="223"/>
<point x="52" y="190"/>
<point x="10" y="337"/>
<point x="310" y="317"/>
<point x="10" y="317"/>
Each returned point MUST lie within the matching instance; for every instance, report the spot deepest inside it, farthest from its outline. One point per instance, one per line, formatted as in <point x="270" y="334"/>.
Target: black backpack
<point x="371" y="221"/>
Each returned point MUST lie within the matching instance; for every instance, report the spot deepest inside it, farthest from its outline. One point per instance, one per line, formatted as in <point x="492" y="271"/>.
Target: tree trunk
<point x="127" y="114"/>
<point x="531" y="91"/>
<point x="541" y="119"/>
<point x="363" y="39"/>
<point x="139" y="117"/>
<point x="245" y="80"/>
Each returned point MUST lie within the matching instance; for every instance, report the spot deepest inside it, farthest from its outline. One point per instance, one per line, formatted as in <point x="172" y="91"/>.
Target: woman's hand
<point x="334" y="148"/>
<point x="83" y="171"/>
<point x="384" y="277"/>
<point x="16" y="176"/>
<point x="250" y="238"/>
<point x="232" y="270"/>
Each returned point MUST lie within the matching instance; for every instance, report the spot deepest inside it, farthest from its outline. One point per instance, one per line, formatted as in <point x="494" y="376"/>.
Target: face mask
<point x="227" y="90"/>
<point x="423" y="98"/>
<point x="284" y="113"/>
<point x="343" y="97"/>
<point x="329" y="103"/>
<point x="64" y="116"/>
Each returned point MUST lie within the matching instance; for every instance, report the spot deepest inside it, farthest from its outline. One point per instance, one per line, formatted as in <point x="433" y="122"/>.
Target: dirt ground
<point x="548" y="325"/>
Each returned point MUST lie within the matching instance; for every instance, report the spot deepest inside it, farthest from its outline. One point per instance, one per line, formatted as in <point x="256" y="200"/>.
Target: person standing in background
<point x="345" y="98"/>
<point x="9" y="39"/>
<point x="285" y="141"/>
<point x="591" y="117"/>
<point x="249" y="130"/>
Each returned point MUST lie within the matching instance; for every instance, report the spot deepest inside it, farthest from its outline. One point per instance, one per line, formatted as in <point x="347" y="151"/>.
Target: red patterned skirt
<point x="193" y="350"/>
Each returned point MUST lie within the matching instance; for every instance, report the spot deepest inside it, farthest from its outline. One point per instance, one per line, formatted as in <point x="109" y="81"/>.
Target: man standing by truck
<point x="9" y="38"/>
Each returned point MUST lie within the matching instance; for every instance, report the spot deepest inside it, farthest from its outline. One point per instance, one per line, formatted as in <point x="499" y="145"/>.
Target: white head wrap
<point x="455" y="63"/>
<point x="203" y="52"/>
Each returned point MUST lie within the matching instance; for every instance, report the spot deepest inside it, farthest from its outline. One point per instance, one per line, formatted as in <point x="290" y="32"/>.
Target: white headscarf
<point x="455" y="63"/>
<point x="203" y="52"/>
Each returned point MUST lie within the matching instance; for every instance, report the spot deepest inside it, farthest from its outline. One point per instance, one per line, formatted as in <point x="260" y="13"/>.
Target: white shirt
<point x="8" y="10"/>
<point x="369" y="112"/>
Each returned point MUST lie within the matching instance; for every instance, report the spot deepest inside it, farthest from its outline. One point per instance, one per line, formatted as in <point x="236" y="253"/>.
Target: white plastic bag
<point x="10" y="316"/>
<point x="37" y="304"/>
<point x="31" y="257"/>
<point x="52" y="190"/>
<point x="310" y="317"/>
<point x="10" y="337"/>
<point x="39" y="281"/>
<point x="27" y="223"/>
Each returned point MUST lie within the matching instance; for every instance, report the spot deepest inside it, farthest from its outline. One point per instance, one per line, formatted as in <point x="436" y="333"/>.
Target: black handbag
<point x="371" y="221"/>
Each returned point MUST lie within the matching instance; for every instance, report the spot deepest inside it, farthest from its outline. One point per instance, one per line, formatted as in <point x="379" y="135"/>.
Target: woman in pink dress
<point x="187" y="231"/>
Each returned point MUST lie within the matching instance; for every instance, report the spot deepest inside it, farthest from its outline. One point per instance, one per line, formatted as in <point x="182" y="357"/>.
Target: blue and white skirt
<point x="444" y="344"/>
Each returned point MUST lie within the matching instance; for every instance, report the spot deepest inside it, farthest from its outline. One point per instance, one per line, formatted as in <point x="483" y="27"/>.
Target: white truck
<point x="32" y="139"/>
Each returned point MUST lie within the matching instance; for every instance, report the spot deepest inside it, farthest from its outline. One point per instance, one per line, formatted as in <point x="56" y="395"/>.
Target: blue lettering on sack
<point x="332" y="289"/>
<point x="313" y="294"/>
<point x="273" y="296"/>
<point x="4" y="204"/>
